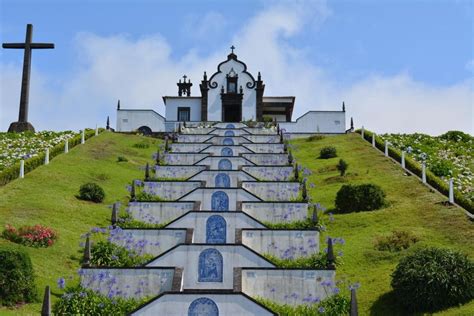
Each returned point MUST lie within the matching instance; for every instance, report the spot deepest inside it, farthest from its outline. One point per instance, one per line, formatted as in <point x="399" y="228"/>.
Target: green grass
<point x="47" y="196"/>
<point x="412" y="207"/>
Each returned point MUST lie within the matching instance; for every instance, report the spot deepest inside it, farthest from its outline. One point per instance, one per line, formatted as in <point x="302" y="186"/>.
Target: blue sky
<point x="400" y="66"/>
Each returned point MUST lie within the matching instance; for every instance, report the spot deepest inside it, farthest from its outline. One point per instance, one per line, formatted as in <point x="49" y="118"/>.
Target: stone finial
<point x="285" y="148"/>
<point x="314" y="215"/>
<point x="278" y="128"/>
<point x="87" y="253"/>
<point x="331" y="258"/>
<point x="167" y="144"/>
<point x="354" y="310"/>
<point x="305" y="192"/>
<point x="132" y="192"/>
<point x="259" y="76"/>
<point x="107" y="126"/>
<point x="147" y="172"/>
<point x="118" y="104"/>
<point x="157" y="157"/>
<point x="204" y="77"/>
<point x="352" y="123"/>
<point x="46" y="308"/>
<point x="281" y="138"/>
<point x="184" y="124"/>
<point x="343" y="107"/>
<point x="295" y="170"/>
<point x="290" y="157"/>
<point x="114" y="217"/>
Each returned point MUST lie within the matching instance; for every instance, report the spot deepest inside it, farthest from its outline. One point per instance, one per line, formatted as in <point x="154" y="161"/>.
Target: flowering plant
<point x="33" y="236"/>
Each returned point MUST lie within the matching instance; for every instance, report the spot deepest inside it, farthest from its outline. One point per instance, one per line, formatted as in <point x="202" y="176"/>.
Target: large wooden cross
<point x="22" y="124"/>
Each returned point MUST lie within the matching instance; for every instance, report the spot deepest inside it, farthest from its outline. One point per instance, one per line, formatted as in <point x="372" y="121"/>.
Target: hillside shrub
<point x="328" y="152"/>
<point x="432" y="279"/>
<point x="456" y="136"/>
<point x="33" y="236"/>
<point x="107" y="254"/>
<point x="397" y="241"/>
<point x="122" y="159"/>
<point x="17" y="284"/>
<point x="81" y="301"/>
<point x="342" y="167"/>
<point x="362" y="197"/>
<point x="91" y="192"/>
<point x="141" y="145"/>
<point x="441" y="168"/>
<point x="314" y="137"/>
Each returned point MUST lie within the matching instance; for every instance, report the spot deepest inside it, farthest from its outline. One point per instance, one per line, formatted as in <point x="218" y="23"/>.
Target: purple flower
<point x="61" y="283"/>
<point x="335" y="290"/>
<point x="321" y="309"/>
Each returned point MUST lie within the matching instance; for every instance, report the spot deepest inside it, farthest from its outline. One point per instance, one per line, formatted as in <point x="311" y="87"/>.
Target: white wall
<point x="173" y="103"/>
<point x="317" y="122"/>
<point x="276" y="212"/>
<point x="187" y="256"/>
<point x="131" y="120"/>
<point x="227" y="304"/>
<point x="205" y="197"/>
<point x="249" y="109"/>
<point x="158" y="212"/>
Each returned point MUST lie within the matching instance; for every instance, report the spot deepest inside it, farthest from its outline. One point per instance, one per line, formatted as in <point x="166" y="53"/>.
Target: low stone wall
<point x="221" y="265"/>
<point x="180" y="159"/>
<point x="178" y="304"/>
<point x="276" y="212"/>
<point x="197" y="130"/>
<point x="128" y="282"/>
<point x="292" y="287"/>
<point x="266" y="148"/>
<point x="270" y="173"/>
<point x="262" y="138"/>
<point x="224" y="163"/>
<point x="221" y="150"/>
<point x="202" y="222"/>
<point x="273" y="191"/>
<point x="261" y="131"/>
<point x="283" y="244"/>
<point x="188" y="147"/>
<point x="190" y="138"/>
<point x="172" y="190"/>
<point x="148" y="241"/>
<point x="229" y="125"/>
<point x="158" y="212"/>
<point x="229" y="179"/>
<point x="207" y="195"/>
<point x="176" y="172"/>
<point x="268" y="159"/>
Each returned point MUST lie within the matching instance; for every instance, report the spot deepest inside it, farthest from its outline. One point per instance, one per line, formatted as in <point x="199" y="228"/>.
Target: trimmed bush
<point x="122" y="159"/>
<point x="314" y="137"/>
<point x="342" y="167"/>
<point x="328" y="152"/>
<point x="91" y="192"/>
<point x="432" y="279"/>
<point x="397" y="241"/>
<point x="362" y="197"/>
<point x="17" y="284"/>
<point x="441" y="169"/>
<point x="81" y="301"/>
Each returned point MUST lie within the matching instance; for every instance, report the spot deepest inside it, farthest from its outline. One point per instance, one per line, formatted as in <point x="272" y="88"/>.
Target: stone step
<point x="203" y="303"/>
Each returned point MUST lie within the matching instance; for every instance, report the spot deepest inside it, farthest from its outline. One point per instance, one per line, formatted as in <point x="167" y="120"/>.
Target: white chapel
<point x="231" y="94"/>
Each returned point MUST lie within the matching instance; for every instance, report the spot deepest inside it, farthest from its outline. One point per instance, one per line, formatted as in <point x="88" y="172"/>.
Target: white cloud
<point x="140" y="71"/>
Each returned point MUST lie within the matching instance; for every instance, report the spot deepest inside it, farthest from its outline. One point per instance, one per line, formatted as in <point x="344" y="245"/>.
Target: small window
<point x="184" y="114"/>
<point x="125" y="120"/>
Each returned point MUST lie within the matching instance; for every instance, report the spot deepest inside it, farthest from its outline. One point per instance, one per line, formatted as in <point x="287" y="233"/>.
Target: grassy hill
<point x="47" y="196"/>
<point x="413" y="207"/>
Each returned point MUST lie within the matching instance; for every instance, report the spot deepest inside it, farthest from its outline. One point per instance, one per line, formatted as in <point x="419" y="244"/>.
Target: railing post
<point x="373" y="140"/>
<point x="22" y="169"/>
<point x="83" y="137"/>
<point x="386" y="148"/>
<point x="451" y="191"/>
<point x="46" y="157"/>
<point x="403" y="159"/>
<point x="423" y="172"/>
<point x="96" y="130"/>
<point x="362" y="132"/>
<point x="66" y="146"/>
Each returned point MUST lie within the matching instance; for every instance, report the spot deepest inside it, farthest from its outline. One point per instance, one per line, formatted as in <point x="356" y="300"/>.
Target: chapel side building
<point x="231" y="94"/>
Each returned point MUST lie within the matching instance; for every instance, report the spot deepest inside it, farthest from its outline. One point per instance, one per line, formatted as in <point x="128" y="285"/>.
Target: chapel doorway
<point x="231" y="112"/>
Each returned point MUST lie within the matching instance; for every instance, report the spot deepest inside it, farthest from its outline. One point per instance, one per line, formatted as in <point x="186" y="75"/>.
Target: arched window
<point x="229" y="133"/>
<point x="228" y="141"/>
<point x="203" y="306"/>
<point x="145" y="130"/>
<point x="226" y="151"/>
<point x="222" y="181"/>
<point x="216" y="230"/>
<point x="219" y="201"/>
<point x="224" y="164"/>
<point x="230" y="126"/>
<point x="210" y="266"/>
